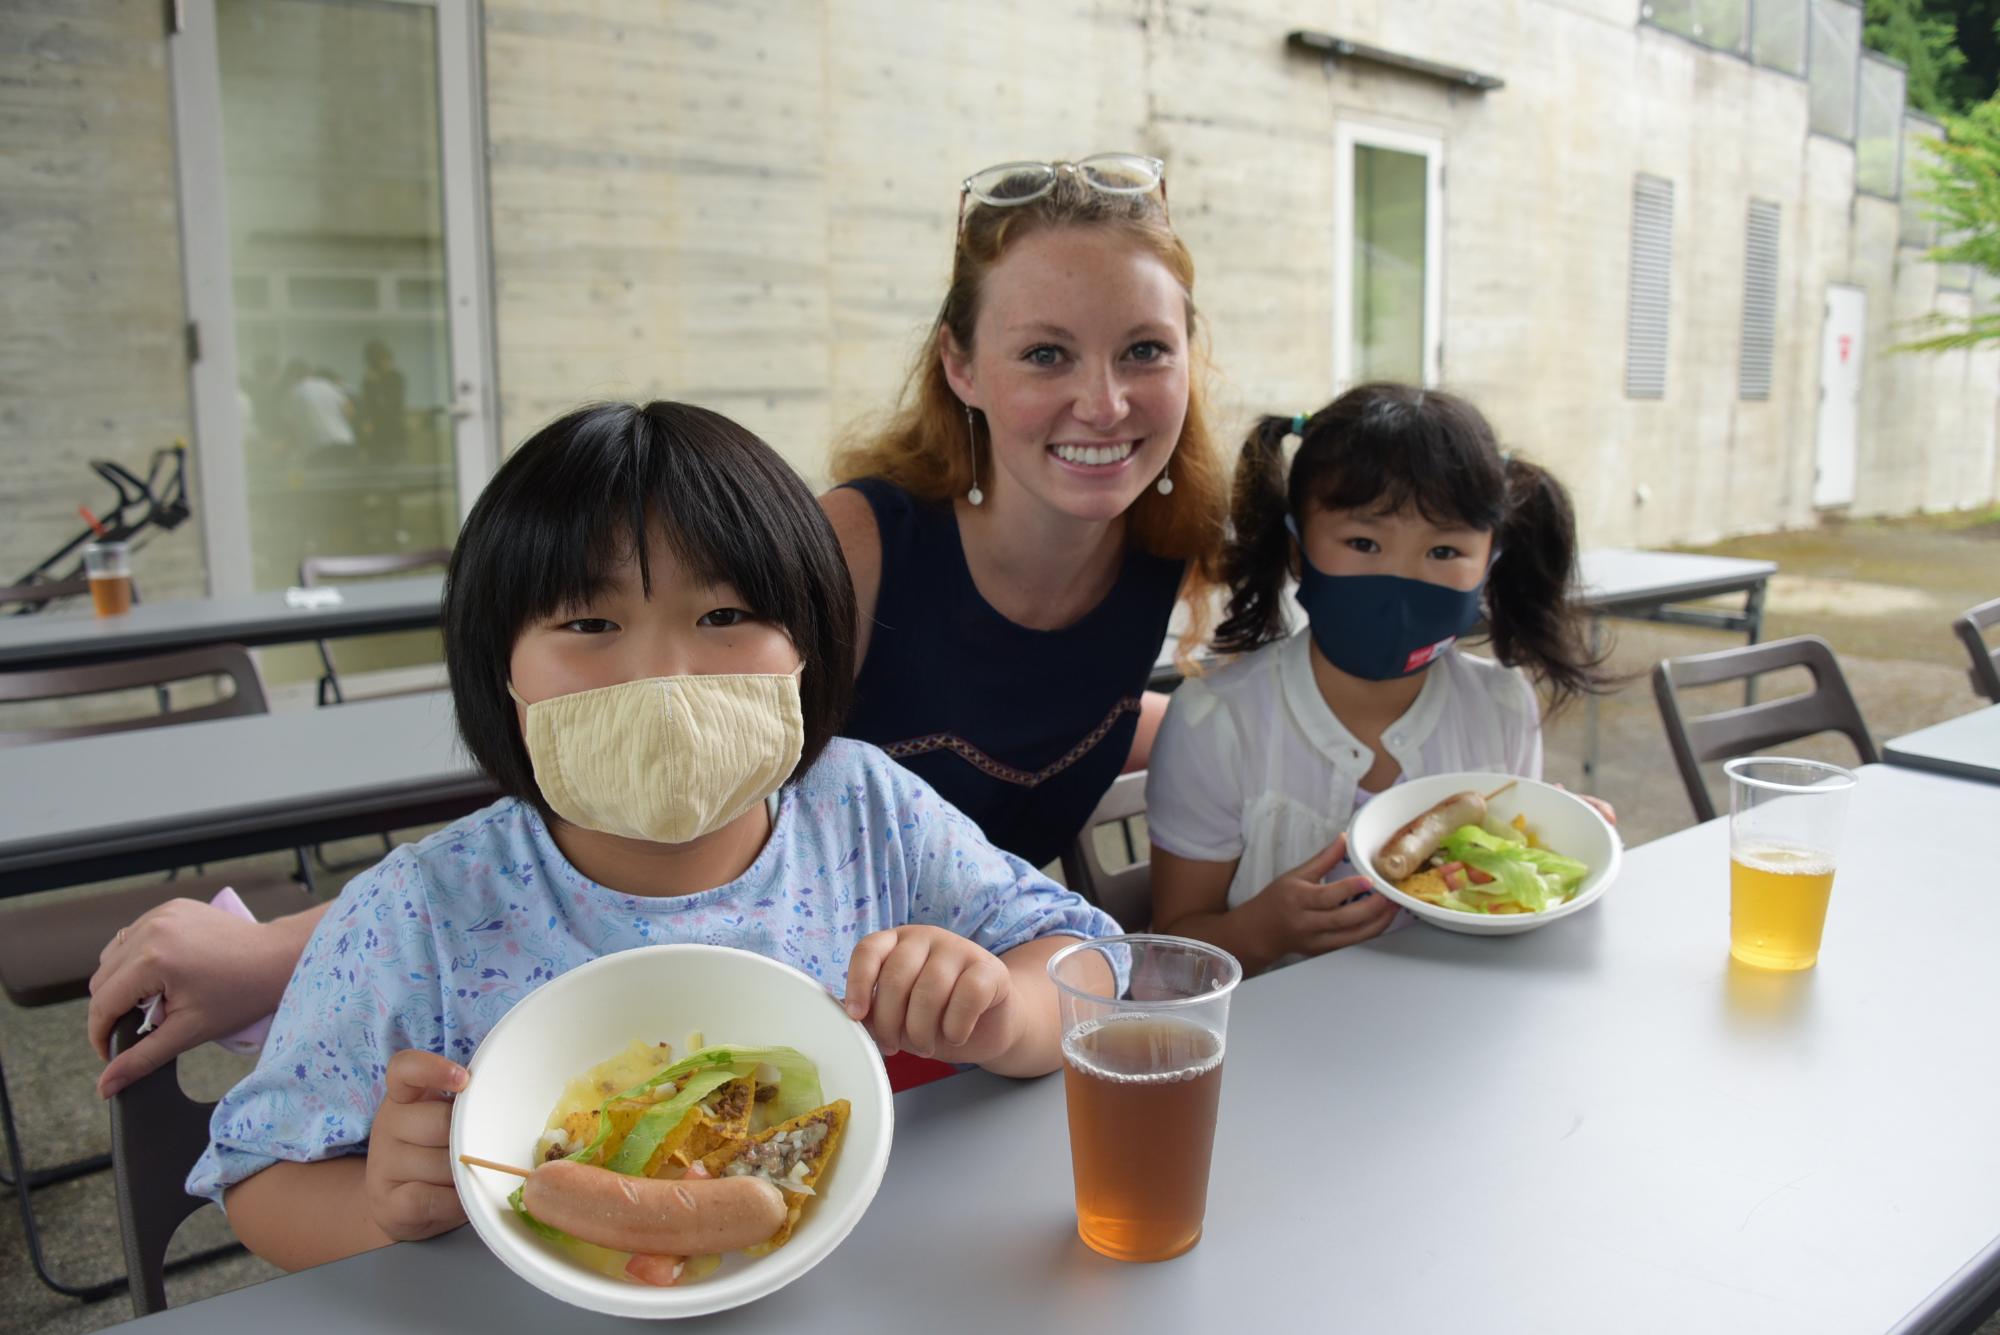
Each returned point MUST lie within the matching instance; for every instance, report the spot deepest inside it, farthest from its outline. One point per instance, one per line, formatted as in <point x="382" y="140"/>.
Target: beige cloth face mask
<point x="666" y="759"/>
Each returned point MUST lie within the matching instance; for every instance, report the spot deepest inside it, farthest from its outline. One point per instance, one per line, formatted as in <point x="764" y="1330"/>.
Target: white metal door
<point x="1388" y="252"/>
<point x="1839" y="395"/>
<point x="333" y="216"/>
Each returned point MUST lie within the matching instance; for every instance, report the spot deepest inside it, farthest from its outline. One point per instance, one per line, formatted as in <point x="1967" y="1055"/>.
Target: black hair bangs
<point x="581" y="497"/>
<point x="1385" y="448"/>
<point x="580" y="513"/>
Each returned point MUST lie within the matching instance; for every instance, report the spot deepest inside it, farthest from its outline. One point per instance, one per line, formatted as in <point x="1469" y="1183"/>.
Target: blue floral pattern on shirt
<point x="432" y="946"/>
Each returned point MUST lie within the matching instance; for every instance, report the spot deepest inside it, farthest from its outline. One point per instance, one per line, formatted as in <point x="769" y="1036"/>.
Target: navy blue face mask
<point x="1380" y="627"/>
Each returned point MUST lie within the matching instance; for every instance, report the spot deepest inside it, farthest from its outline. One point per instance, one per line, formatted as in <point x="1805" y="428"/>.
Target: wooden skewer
<point x="1501" y="789"/>
<point x="477" y="1162"/>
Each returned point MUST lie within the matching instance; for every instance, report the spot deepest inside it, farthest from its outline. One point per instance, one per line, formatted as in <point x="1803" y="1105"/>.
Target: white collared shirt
<point x="1251" y="766"/>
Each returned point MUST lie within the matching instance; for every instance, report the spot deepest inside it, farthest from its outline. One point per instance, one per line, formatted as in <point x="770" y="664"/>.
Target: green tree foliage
<point x="1923" y="35"/>
<point x="1960" y="177"/>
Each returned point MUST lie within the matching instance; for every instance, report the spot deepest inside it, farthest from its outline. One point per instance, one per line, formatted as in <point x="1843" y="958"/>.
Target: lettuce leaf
<point x="1533" y="878"/>
<point x="636" y="1150"/>
<point x="798" y="1090"/>
<point x="1516" y="879"/>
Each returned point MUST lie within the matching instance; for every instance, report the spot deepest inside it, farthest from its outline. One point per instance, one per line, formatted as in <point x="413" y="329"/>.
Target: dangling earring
<point x="1166" y="484"/>
<point x="976" y="496"/>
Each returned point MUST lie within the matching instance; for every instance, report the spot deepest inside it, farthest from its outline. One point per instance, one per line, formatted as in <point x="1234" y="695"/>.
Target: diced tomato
<point x="1452" y="872"/>
<point x="1478" y="877"/>
<point x="660" y="1271"/>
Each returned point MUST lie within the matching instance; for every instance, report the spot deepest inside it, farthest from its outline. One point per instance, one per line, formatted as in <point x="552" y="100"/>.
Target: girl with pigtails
<point x="1405" y="527"/>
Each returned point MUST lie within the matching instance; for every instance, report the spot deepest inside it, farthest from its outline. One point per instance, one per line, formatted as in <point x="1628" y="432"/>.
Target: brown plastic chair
<point x="48" y="951"/>
<point x="1751" y="728"/>
<point x="157" y="1133"/>
<point x="316" y="571"/>
<point x="1125" y="893"/>
<point x="1972" y="628"/>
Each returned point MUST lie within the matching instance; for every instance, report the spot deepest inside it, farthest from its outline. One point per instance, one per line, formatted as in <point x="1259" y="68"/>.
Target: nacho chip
<point x="790" y="1155"/>
<point x="724" y="1120"/>
<point x="1426" y="885"/>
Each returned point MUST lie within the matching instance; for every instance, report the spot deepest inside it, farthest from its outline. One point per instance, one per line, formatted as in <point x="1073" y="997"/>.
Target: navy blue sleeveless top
<point x="1023" y="730"/>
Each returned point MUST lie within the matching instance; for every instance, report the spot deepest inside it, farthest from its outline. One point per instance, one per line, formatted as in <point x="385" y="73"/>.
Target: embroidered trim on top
<point x="972" y="755"/>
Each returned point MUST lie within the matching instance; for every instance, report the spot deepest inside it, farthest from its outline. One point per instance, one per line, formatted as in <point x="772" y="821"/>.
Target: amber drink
<point x="109" y="566"/>
<point x="1784" y="827"/>
<point x="1144" y="1024"/>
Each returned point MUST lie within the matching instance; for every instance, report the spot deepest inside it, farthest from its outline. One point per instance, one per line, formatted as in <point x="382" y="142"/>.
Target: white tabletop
<point x="158" y="795"/>
<point x="1619" y="577"/>
<point x="1967" y="746"/>
<point x="67" y="636"/>
<point x="1600" y="1126"/>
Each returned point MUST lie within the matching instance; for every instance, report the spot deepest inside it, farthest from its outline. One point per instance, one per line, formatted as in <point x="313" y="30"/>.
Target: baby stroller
<point x="158" y="501"/>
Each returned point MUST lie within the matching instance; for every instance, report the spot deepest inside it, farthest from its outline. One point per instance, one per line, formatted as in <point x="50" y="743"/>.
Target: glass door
<point x="332" y="216"/>
<point x="1389" y="226"/>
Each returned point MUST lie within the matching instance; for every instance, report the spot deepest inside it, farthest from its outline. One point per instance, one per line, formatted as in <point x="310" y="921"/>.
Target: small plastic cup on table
<point x="1144" y="1019"/>
<point x="1785" y="818"/>
<point x="109" y="566"/>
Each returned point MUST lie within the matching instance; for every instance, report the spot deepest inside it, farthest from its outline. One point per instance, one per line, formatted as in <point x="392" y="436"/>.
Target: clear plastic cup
<point x="1785" y="818"/>
<point x="1144" y="1019"/>
<point x="109" y="567"/>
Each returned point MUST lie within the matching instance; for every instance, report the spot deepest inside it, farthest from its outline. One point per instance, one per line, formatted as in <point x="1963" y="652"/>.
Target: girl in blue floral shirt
<point x="647" y="625"/>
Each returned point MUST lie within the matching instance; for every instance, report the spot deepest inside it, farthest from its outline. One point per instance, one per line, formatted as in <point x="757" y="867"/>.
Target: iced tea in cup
<point x="1784" y="828"/>
<point x="109" y="566"/>
<point x="1143" y="1022"/>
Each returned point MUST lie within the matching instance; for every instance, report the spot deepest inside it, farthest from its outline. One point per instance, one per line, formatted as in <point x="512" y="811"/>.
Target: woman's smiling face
<point x="1079" y="365"/>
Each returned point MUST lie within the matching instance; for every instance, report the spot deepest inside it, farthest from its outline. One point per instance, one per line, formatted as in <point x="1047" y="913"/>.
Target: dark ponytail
<point x="1257" y="556"/>
<point x="1528" y="593"/>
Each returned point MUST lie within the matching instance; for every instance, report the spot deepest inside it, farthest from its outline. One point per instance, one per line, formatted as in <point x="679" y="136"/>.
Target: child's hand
<point x="932" y="992"/>
<point x="409" y="1189"/>
<point x="1308" y="917"/>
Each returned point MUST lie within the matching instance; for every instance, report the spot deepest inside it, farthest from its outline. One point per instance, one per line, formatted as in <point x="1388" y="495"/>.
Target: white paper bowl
<point x="661" y="994"/>
<point x="1562" y="821"/>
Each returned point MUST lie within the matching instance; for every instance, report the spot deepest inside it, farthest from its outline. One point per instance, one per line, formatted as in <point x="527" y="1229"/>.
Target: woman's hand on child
<point x="1308" y="916"/>
<point x="409" y="1186"/>
<point x="217" y="972"/>
<point x="932" y="992"/>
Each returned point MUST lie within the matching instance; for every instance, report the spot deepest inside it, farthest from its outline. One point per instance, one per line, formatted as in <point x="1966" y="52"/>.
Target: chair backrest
<point x="158" y="671"/>
<point x="1125" y="893"/>
<point x="317" y="570"/>
<point x="34" y="597"/>
<point x="1972" y="628"/>
<point x="1750" y="728"/>
<point x="157" y="1133"/>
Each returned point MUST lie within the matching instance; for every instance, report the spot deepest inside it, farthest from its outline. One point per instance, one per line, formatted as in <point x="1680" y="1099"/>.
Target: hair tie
<point x="1299" y="424"/>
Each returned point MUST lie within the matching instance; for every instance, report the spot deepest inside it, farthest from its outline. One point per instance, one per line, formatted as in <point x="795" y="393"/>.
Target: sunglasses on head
<point x="1009" y="184"/>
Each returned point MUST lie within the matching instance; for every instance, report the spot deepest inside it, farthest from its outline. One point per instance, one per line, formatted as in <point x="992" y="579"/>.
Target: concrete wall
<point x="92" y="363"/>
<point x="751" y="205"/>
<point x="754" y="209"/>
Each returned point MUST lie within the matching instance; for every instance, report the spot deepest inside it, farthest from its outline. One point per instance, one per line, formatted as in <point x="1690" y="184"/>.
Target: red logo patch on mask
<point x="1419" y="657"/>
